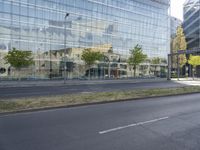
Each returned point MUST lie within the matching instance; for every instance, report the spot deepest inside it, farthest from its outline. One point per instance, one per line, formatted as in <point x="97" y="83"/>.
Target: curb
<point x="90" y="104"/>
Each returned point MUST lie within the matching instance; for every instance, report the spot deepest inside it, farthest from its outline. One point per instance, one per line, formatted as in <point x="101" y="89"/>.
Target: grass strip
<point x="14" y="105"/>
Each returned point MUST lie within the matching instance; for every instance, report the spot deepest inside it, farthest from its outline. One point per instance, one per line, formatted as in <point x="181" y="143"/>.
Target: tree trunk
<point x="109" y="70"/>
<point x="181" y="71"/>
<point x="18" y="72"/>
<point x="131" y="72"/>
<point x="134" y="71"/>
<point x="193" y="72"/>
<point x="89" y="73"/>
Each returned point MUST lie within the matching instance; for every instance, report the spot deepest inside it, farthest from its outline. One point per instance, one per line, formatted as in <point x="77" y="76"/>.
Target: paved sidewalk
<point x="188" y="81"/>
<point x="72" y="82"/>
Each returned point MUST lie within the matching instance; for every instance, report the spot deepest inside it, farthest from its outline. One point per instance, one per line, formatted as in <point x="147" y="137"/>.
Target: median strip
<point x="46" y="102"/>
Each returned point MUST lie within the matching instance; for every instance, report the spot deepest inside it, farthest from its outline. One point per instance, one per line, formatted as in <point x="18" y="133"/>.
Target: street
<point x="167" y="123"/>
<point x="17" y="92"/>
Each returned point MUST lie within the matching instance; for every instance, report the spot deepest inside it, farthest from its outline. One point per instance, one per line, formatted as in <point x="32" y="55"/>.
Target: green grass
<point x="14" y="105"/>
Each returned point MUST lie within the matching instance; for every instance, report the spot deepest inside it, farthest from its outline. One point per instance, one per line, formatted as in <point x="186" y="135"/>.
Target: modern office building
<point x="175" y="22"/>
<point x="191" y="23"/>
<point x="191" y="27"/>
<point x="42" y="26"/>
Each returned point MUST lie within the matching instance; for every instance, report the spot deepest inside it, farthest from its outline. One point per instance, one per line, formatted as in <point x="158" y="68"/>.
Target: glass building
<point x="191" y="23"/>
<point x="41" y="26"/>
<point x="175" y="23"/>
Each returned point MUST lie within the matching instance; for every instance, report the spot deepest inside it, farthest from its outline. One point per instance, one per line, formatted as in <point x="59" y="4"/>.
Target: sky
<point x="177" y="8"/>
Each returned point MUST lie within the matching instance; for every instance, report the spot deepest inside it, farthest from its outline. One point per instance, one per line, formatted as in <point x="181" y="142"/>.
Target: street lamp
<point x="50" y="59"/>
<point x="65" y="67"/>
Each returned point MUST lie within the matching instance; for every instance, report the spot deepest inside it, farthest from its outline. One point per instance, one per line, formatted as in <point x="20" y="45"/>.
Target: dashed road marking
<point x="132" y="125"/>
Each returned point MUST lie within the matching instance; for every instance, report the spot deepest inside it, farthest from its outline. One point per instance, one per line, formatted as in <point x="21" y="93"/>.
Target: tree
<point x="110" y="50"/>
<point x="19" y="59"/>
<point x="179" y="43"/>
<point x="156" y="61"/>
<point x="136" y="57"/>
<point x="194" y="61"/>
<point x="163" y="61"/>
<point x="90" y="57"/>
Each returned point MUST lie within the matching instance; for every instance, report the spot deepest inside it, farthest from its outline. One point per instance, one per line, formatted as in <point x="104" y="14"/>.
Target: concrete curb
<point x="90" y="104"/>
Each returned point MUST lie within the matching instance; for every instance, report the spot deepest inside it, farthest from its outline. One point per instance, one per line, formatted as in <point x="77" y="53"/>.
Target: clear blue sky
<point x="177" y="8"/>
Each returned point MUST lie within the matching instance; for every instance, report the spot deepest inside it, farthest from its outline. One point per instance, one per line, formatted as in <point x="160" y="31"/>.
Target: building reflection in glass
<point x="39" y="26"/>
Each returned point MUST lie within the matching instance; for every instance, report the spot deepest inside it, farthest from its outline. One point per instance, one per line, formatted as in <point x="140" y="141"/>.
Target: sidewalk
<point x="188" y="81"/>
<point x="72" y="82"/>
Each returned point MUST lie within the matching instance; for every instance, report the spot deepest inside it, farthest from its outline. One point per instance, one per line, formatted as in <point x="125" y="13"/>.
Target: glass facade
<point x="175" y="22"/>
<point x="191" y="23"/>
<point x="40" y="26"/>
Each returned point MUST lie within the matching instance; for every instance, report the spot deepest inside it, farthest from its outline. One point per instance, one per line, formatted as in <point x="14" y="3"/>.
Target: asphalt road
<point x="17" y="92"/>
<point x="170" y="123"/>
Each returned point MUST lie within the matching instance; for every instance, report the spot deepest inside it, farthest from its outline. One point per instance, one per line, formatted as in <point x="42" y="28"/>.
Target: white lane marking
<point x="132" y="125"/>
<point x="86" y="92"/>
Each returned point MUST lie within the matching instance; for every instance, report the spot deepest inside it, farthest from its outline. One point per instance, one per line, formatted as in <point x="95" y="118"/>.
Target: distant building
<point x="175" y="22"/>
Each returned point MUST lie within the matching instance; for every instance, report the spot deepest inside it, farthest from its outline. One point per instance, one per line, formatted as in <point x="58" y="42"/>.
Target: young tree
<point x="90" y="57"/>
<point x="179" y="43"/>
<point x="163" y="61"/>
<point x="136" y="57"/>
<point x="110" y="50"/>
<point x="194" y="61"/>
<point x="19" y="59"/>
<point x="155" y="61"/>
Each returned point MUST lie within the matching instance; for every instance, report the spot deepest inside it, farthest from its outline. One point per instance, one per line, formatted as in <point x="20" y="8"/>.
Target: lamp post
<point x="178" y="67"/>
<point x="65" y="66"/>
<point x="50" y="60"/>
